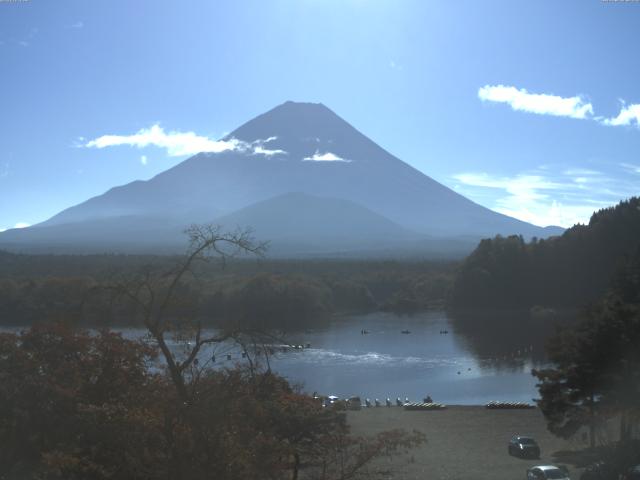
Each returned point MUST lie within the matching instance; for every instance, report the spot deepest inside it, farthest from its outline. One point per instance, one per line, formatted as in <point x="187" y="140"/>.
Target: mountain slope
<point x="297" y="223"/>
<point x="297" y="147"/>
<point x="125" y="234"/>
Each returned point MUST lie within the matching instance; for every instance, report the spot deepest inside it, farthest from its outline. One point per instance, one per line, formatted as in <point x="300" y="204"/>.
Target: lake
<point x="387" y="363"/>
<point x="459" y="367"/>
<point x="453" y="368"/>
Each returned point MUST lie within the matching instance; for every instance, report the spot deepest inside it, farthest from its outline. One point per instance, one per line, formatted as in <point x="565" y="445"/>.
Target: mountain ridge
<point x="299" y="147"/>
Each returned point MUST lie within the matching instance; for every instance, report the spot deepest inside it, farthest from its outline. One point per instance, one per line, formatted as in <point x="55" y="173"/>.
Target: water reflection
<point x="507" y="339"/>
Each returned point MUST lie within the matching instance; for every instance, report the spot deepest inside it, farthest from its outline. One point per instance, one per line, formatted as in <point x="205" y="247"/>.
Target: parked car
<point x="547" y="472"/>
<point x="354" y="403"/>
<point x="599" y="471"/>
<point x="632" y="474"/>
<point x="523" y="447"/>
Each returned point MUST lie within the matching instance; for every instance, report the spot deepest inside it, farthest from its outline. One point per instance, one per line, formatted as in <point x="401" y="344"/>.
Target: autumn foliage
<point x="81" y="405"/>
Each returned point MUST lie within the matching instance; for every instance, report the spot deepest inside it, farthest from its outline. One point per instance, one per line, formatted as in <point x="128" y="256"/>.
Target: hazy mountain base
<point x="296" y="225"/>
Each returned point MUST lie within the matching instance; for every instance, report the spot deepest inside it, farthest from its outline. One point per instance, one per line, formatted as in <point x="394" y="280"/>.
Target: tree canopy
<point x="566" y="271"/>
<point x="596" y="363"/>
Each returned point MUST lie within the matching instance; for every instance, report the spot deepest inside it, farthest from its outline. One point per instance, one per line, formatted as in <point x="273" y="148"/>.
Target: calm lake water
<point x="387" y="363"/>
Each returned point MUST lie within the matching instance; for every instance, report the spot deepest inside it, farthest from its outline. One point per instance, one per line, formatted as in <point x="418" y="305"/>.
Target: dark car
<point x="599" y="471"/>
<point x="520" y="446"/>
<point x="632" y="474"/>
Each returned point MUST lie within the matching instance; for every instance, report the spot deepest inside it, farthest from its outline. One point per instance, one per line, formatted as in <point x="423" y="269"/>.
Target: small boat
<point x="406" y="332"/>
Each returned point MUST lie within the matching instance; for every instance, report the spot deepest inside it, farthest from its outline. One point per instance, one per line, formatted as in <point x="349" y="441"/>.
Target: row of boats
<point x="508" y="405"/>
<point x="355" y="403"/>
<point x="404" y="332"/>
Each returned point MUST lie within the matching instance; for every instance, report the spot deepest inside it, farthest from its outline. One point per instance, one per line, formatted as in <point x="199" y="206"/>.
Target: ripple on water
<point x="321" y="357"/>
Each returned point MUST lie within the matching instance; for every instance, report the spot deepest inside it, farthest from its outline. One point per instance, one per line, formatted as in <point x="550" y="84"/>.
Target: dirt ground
<point x="463" y="442"/>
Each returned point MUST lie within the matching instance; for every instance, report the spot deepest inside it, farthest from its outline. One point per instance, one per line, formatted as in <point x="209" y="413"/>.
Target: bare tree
<point x="299" y="435"/>
<point x="158" y="297"/>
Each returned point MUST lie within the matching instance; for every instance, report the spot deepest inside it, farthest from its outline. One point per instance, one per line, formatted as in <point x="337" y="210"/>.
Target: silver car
<point x="547" y="472"/>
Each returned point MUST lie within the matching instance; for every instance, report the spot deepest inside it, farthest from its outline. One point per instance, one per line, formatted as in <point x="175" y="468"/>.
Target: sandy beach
<point x="463" y="442"/>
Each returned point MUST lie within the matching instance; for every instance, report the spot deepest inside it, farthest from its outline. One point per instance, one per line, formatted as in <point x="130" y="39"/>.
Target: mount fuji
<point x="302" y="178"/>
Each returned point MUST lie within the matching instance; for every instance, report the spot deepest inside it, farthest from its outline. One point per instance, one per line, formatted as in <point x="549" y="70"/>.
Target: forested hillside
<point x="566" y="271"/>
<point x="274" y="293"/>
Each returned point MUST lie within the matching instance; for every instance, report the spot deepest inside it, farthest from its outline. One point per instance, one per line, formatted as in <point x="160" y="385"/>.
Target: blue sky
<point x="530" y="108"/>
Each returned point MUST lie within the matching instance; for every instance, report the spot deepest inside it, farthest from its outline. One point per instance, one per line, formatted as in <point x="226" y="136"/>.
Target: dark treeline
<point x="593" y="382"/>
<point x="567" y="271"/>
<point x="274" y="293"/>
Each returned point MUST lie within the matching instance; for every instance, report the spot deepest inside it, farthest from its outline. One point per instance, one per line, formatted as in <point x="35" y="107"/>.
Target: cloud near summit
<point x="325" y="157"/>
<point x="176" y="143"/>
<point x="179" y="144"/>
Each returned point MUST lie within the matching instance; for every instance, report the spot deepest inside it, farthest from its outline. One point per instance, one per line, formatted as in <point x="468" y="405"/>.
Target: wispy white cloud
<point x="581" y="171"/>
<point x="260" y="150"/>
<point x="78" y="24"/>
<point x="325" y="157"/>
<point x="4" y="169"/>
<point x="539" y="103"/>
<point x="258" y="147"/>
<point x="549" y="196"/>
<point x="180" y="143"/>
<point x="629" y="115"/>
<point x="17" y="225"/>
<point x="176" y="143"/>
<point x="544" y="104"/>
<point x="631" y="167"/>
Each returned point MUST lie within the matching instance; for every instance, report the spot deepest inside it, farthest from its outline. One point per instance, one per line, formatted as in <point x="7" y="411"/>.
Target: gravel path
<point x="463" y="442"/>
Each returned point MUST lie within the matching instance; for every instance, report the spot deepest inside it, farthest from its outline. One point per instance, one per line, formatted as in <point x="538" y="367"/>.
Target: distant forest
<point x="503" y="273"/>
<point x="567" y="271"/>
<point x="265" y="293"/>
